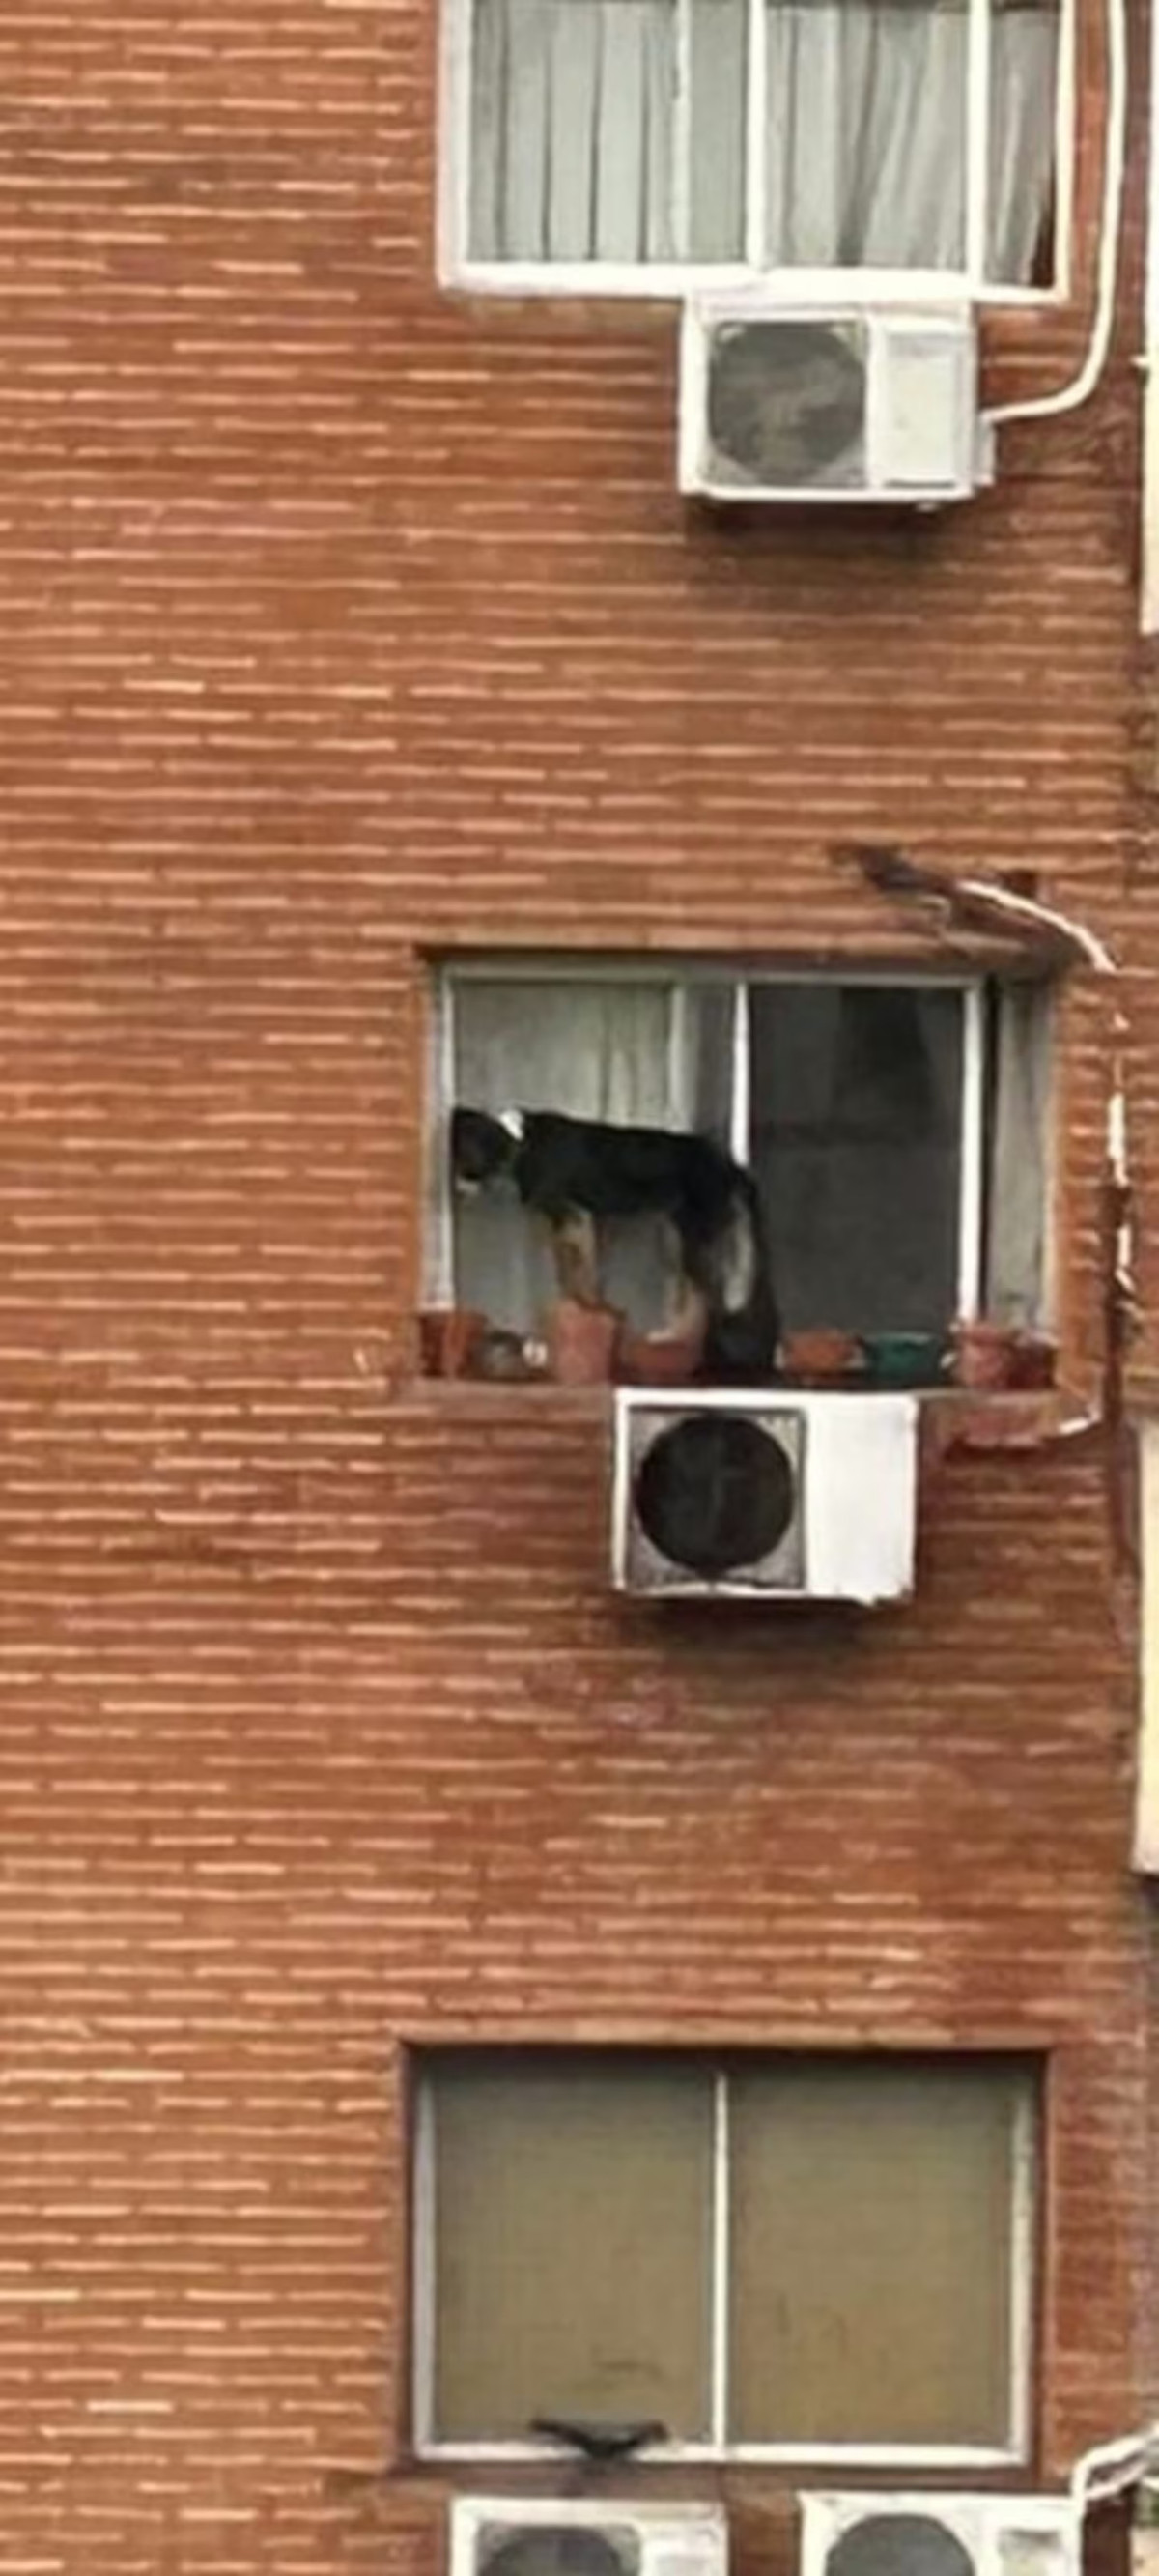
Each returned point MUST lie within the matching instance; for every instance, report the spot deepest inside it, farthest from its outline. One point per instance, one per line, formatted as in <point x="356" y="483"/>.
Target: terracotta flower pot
<point x="658" y="1359"/>
<point x="581" y="1343"/>
<point x="822" y="1356"/>
<point x="448" y="1338"/>
<point x="985" y="1354"/>
<point x="1033" y="1361"/>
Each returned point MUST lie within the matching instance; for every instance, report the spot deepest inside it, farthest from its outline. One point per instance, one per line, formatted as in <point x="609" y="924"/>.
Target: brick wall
<point x="346" y="623"/>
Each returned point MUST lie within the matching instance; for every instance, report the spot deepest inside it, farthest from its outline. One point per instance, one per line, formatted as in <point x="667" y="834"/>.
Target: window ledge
<point x="535" y="2470"/>
<point x="953" y="1417"/>
<point x="973" y="1418"/>
<point x="781" y="291"/>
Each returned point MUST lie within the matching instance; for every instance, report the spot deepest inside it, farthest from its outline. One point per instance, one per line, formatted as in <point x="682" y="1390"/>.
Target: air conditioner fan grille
<point x="899" y="2544"/>
<point x="786" y="401"/>
<point x="557" y="2549"/>
<point x="715" y="1492"/>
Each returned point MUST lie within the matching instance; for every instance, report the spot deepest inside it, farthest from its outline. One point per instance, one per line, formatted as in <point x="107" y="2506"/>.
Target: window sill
<point x="532" y="2464"/>
<point x="783" y="291"/>
<point x="953" y="1417"/>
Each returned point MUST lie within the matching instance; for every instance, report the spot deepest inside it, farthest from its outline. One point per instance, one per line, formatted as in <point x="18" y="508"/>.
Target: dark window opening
<point x="893" y="1133"/>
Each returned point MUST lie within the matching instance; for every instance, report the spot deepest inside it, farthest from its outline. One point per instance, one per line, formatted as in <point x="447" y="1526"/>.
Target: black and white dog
<point x="573" y="1171"/>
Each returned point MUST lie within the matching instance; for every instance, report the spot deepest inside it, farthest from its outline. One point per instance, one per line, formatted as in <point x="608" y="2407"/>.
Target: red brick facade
<point x="347" y="623"/>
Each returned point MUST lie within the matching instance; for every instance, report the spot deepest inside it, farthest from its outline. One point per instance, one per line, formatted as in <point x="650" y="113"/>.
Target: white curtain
<point x="573" y="129"/>
<point x="866" y="149"/>
<point x="1023" y="85"/>
<point x="596" y="1050"/>
<point x="864" y="143"/>
<point x="866" y="135"/>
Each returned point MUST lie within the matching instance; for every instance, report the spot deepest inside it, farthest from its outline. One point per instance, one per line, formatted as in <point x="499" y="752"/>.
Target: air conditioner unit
<point x="764" y="1496"/>
<point x="558" y="2536"/>
<point x="939" y="2535"/>
<point x="841" y="405"/>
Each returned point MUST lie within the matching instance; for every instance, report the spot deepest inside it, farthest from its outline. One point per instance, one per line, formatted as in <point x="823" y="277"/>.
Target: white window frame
<point x="787" y="287"/>
<point x="678" y="975"/>
<point x="1145" y="1849"/>
<point x="1014" y="2452"/>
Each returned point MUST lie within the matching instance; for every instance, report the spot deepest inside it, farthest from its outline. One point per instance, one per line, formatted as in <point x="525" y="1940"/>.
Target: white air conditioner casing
<point x="812" y="1498"/>
<point x="885" y="2534"/>
<point x="842" y="404"/>
<point x="642" y="2539"/>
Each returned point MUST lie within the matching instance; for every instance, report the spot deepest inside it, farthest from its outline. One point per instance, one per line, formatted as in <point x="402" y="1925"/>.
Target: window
<point x="920" y="138"/>
<point x="895" y="1131"/>
<point x="781" y="2254"/>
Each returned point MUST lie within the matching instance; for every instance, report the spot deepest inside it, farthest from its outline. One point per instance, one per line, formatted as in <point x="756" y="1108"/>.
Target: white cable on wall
<point x="1068" y="397"/>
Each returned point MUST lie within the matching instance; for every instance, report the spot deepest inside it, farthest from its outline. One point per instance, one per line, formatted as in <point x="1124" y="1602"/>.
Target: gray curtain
<point x="1015" y="1283"/>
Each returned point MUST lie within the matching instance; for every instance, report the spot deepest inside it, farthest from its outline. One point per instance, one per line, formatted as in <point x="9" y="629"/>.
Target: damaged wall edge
<point x="977" y="907"/>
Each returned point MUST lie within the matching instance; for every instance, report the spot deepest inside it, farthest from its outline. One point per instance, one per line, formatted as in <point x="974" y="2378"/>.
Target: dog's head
<point x="483" y="1148"/>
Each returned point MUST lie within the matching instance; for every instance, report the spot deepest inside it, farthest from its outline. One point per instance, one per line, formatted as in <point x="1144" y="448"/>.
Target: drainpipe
<point x="1070" y="397"/>
<point x="1111" y="2467"/>
<point x="1149" y="362"/>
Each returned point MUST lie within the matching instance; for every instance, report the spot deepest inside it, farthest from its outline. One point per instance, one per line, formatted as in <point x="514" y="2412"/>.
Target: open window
<point x="652" y="142"/>
<point x="777" y="2256"/>
<point x="895" y="1129"/>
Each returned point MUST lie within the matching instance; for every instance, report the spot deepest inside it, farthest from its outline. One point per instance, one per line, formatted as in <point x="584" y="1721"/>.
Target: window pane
<point x="866" y="133"/>
<point x="716" y="193"/>
<point x="857" y="1151"/>
<point x="1024" y="55"/>
<point x="573" y="2229"/>
<point x="571" y="129"/>
<point x="871" y="2253"/>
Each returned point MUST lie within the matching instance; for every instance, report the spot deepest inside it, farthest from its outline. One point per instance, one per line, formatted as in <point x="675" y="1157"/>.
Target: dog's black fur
<point x="569" y="1168"/>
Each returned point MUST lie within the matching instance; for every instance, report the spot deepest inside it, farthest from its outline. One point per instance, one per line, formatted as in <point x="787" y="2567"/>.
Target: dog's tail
<point x="743" y="1323"/>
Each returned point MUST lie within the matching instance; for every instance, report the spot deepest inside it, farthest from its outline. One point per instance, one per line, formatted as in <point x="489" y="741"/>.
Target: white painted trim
<point x="550" y="966"/>
<point x="1146" y="1835"/>
<point x="438" y="1266"/>
<point x="720" y="2254"/>
<point x="423" y="2273"/>
<point x="740" y="1127"/>
<point x="1065" y="144"/>
<point x="972" y="1153"/>
<point x="977" y="113"/>
<point x="1050" y="1145"/>
<point x="756" y="84"/>
<point x="669" y="280"/>
<point x="866" y="2455"/>
<point x="1023" y="2223"/>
